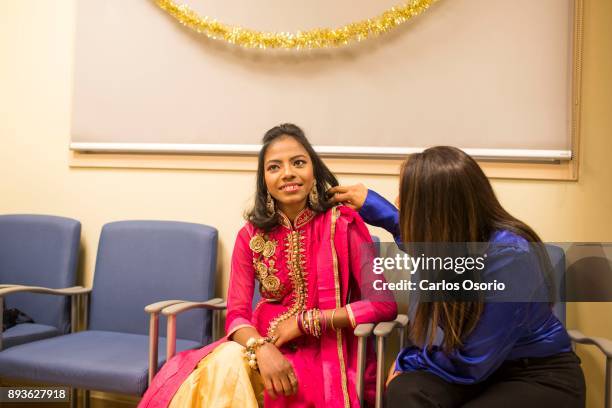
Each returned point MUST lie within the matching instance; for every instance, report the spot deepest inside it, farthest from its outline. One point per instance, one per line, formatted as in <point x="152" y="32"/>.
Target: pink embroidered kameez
<point x="321" y="260"/>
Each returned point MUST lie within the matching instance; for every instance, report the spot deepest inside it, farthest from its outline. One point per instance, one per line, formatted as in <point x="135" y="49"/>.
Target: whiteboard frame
<point x="329" y="151"/>
<point x="110" y="153"/>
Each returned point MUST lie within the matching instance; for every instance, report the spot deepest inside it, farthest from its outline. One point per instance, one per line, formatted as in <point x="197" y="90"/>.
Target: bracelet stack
<point x="331" y="320"/>
<point x="311" y="322"/>
<point x="252" y="345"/>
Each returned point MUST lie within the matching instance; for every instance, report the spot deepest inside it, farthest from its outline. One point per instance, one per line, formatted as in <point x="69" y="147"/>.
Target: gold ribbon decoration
<point x="310" y="39"/>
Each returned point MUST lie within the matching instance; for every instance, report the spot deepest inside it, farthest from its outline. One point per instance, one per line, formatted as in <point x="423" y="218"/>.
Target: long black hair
<point x="445" y="197"/>
<point x="325" y="179"/>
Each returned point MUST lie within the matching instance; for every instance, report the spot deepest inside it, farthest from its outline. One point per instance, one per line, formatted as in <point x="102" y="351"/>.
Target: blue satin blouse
<point x="505" y="331"/>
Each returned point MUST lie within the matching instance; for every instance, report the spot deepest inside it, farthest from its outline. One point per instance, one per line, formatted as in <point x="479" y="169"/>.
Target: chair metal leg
<point x="153" y="343"/>
<point x="171" y="337"/>
<point x="74" y="403"/>
<point x="216" y="318"/>
<point x="380" y="368"/>
<point x="402" y="325"/>
<point x="608" y="385"/>
<point x="74" y="312"/>
<point x="362" y="332"/>
<point x="85" y="398"/>
<point x="361" y="353"/>
<point x="402" y="337"/>
<point x="1" y="320"/>
<point x="85" y="309"/>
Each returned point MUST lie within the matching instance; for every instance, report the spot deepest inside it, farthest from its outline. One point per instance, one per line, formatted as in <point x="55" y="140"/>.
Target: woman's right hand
<point x="276" y="371"/>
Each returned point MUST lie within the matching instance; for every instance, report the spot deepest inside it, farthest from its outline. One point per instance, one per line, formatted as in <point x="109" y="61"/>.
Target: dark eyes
<point x="297" y="163"/>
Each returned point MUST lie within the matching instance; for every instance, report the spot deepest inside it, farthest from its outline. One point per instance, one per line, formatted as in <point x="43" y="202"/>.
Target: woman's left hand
<point x="352" y="196"/>
<point x="286" y="331"/>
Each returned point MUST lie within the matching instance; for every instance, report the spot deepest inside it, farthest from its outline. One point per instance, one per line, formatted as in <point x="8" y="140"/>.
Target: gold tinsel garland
<point x="311" y="39"/>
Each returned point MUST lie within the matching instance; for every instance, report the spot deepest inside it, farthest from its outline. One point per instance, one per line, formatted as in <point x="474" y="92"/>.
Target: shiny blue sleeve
<point x="381" y="213"/>
<point x="500" y="325"/>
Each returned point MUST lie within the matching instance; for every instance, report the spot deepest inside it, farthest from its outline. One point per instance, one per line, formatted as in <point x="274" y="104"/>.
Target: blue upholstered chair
<point x="588" y="276"/>
<point x="37" y="252"/>
<point x="139" y="263"/>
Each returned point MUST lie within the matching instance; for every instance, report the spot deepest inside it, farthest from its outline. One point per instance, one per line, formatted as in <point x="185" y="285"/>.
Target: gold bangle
<point x="331" y="320"/>
<point x="316" y="329"/>
<point x="318" y="323"/>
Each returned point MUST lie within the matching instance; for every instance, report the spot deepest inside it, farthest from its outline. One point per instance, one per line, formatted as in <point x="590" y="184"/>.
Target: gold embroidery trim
<point x="295" y="263"/>
<point x="257" y="243"/>
<point x="266" y="274"/>
<point x="301" y="219"/>
<point x="338" y="305"/>
<point x="284" y="221"/>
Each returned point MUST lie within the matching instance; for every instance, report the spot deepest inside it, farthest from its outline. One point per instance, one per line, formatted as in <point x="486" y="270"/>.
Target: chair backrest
<point x="557" y="259"/>
<point x="583" y="274"/>
<point x="589" y="272"/>
<point x="40" y="250"/>
<point x="142" y="262"/>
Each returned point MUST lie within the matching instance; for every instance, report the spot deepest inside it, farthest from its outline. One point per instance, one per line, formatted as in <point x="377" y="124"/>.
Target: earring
<point x="270" y="209"/>
<point x="313" y="196"/>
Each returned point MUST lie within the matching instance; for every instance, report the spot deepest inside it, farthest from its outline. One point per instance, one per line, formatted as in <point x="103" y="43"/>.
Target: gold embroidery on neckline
<point x="301" y="219"/>
<point x="296" y="265"/>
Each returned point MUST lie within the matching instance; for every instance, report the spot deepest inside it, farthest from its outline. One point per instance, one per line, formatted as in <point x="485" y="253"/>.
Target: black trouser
<point x="555" y="381"/>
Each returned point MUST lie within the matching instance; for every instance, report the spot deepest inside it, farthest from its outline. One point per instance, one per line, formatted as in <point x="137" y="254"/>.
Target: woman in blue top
<point x="492" y="354"/>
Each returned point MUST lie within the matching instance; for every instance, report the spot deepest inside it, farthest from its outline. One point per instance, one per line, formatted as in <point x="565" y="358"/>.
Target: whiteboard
<point x="485" y="75"/>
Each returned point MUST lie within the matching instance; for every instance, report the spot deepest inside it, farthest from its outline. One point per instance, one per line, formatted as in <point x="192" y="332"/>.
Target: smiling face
<point x="288" y="173"/>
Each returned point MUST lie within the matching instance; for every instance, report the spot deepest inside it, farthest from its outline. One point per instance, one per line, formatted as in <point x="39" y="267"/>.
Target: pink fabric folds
<point x="339" y="389"/>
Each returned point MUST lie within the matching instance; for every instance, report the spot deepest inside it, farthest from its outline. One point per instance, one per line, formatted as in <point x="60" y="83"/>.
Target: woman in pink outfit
<point x="312" y="261"/>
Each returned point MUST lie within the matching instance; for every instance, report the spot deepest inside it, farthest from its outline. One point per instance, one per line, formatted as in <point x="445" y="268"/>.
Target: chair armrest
<point x="364" y="329"/>
<point x="383" y="329"/>
<point x="175" y="309"/>
<point x="157" y="307"/>
<point x="402" y="320"/>
<point x="601" y="343"/>
<point x="171" y="308"/>
<point x="215" y="304"/>
<point x="73" y="290"/>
